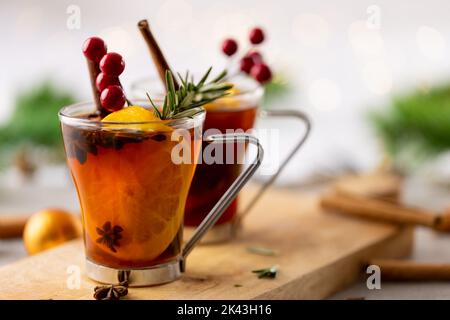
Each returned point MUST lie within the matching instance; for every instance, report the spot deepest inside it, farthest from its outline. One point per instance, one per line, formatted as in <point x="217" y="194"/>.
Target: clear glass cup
<point x="132" y="191"/>
<point x="238" y="111"/>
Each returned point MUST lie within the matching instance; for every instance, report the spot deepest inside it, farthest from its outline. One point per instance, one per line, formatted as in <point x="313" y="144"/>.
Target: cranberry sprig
<point x="252" y="63"/>
<point x="109" y="67"/>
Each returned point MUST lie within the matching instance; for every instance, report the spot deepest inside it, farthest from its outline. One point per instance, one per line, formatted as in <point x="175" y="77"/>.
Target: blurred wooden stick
<point x="402" y="270"/>
<point x="11" y="226"/>
<point x="364" y="207"/>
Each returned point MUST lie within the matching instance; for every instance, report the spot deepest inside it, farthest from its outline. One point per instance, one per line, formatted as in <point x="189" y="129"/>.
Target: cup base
<point x="141" y="277"/>
<point x="219" y="233"/>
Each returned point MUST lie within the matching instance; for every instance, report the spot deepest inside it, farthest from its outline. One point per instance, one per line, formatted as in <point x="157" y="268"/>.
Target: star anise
<point x="80" y="146"/>
<point x="110" y="236"/>
<point x="111" y="292"/>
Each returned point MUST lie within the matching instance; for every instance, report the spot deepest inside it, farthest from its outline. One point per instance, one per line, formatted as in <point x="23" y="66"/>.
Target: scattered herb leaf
<point x="268" y="273"/>
<point x="262" y="251"/>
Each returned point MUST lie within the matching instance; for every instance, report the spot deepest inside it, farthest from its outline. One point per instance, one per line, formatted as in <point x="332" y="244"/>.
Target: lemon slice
<point x="129" y="190"/>
<point x="136" y="114"/>
<point x="229" y="101"/>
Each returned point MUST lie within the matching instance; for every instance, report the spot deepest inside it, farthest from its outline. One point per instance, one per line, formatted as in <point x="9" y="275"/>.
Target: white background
<point x="339" y="66"/>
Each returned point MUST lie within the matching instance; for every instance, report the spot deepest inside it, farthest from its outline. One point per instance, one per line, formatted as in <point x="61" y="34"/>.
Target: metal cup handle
<point x="229" y="195"/>
<point x="278" y="113"/>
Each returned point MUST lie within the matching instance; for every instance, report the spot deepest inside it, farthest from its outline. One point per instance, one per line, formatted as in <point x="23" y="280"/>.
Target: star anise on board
<point x="111" y="292"/>
<point x="110" y="236"/>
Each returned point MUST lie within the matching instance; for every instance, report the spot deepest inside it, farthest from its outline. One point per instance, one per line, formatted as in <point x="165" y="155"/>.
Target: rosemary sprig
<point x="188" y="99"/>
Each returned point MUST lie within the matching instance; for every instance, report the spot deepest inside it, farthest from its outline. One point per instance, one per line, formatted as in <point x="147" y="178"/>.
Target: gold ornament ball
<point x="49" y="228"/>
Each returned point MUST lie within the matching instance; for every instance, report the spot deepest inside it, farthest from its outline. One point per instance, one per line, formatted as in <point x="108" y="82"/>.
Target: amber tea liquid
<point x="131" y="193"/>
<point x="212" y="180"/>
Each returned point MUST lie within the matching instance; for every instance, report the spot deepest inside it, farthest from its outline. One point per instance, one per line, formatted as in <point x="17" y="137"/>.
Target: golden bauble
<point x="49" y="228"/>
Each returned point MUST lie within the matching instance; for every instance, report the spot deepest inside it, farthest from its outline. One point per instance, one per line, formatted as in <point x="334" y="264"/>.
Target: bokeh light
<point x="311" y="30"/>
<point x="377" y="76"/>
<point x="365" y="42"/>
<point x="431" y="43"/>
<point x="324" y="95"/>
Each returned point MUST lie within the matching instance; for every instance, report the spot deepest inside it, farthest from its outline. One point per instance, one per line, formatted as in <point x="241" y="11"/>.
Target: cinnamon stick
<point x="382" y="186"/>
<point x="158" y="58"/>
<point x="377" y="209"/>
<point x="94" y="71"/>
<point x="11" y="226"/>
<point x="384" y="211"/>
<point x="401" y="270"/>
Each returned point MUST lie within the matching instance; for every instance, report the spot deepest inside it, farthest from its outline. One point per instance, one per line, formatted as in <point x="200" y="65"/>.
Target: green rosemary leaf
<point x="171" y="100"/>
<point x="216" y="88"/>
<point x="220" y="77"/>
<point x="262" y="251"/>
<point x="187" y="77"/>
<point x="269" y="273"/>
<point x="203" y="79"/>
<point x="187" y="101"/>
<point x="169" y="82"/>
<point x="157" y="112"/>
<point x="165" y="108"/>
<point x="205" y="101"/>
<point x="181" y="79"/>
<point x="188" y="113"/>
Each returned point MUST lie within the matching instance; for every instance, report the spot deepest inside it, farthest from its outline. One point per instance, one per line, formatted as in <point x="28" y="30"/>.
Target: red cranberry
<point x="246" y="64"/>
<point x="255" y="56"/>
<point x="112" y="64"/>
<point x="256" y="36"/>
<point x="94" y="48"/>
<point x="103" y="81"/>
<point x="229" y="47"/>
<point x="112" y="98"/>
<point x="261" y="72"/>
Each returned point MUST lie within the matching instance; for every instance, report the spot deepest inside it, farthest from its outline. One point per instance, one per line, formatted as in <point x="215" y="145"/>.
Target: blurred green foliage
<point x="35" y="119"/>
<point x="276" y="89"/>
<point x="416" y="126"/>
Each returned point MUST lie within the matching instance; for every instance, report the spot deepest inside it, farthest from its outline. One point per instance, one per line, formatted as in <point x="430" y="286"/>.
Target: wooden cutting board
<point x="317" y="254"/>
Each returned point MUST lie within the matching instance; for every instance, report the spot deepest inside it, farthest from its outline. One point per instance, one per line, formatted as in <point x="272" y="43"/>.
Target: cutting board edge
<point x="398" y="245"/>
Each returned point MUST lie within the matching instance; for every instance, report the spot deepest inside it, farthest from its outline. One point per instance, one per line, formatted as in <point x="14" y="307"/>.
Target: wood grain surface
<point x="317" y="254"/>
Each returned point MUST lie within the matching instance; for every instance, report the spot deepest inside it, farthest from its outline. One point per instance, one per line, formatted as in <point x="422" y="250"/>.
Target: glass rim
<point x="67" y="118"/>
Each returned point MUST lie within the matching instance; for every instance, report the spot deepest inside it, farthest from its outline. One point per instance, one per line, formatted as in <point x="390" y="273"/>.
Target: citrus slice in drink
<point x="227" y="102"/>
<point x="133" y="198"/>
<point x="139" y="118"/>
<point x="141" y="198"/>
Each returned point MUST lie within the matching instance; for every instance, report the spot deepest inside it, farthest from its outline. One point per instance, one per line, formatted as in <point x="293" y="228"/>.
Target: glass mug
<point x="132" y="193"/>
<point x="237" y="112"/>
